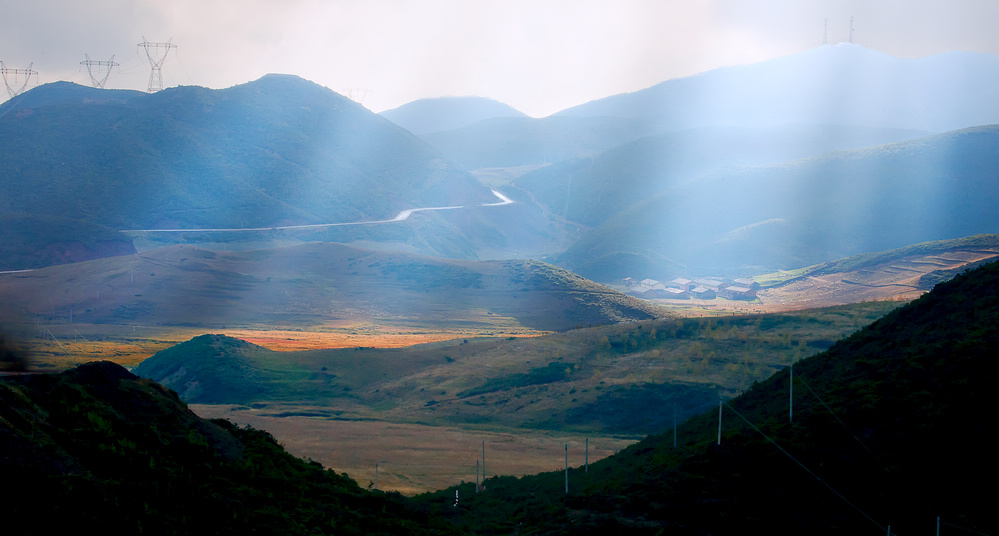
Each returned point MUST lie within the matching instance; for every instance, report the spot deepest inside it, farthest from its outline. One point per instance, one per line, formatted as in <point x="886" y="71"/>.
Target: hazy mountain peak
<point x="424" y="116"/>
<point x="845" y="84"/>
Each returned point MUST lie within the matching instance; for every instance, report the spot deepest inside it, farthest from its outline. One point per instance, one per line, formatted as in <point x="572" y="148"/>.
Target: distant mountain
<point x="279" y="150"/>
<point x="447" y="113"/>
<point x="511" y="141"/>
<point x="759" y="219"/>
<point x="832" y="86"/>
<point x="889" y="428"/>
<point x="591" y="190"/>
<point x="97" y="448"/>
<point x="842" y="84"/>
<point x="313" y="284"/>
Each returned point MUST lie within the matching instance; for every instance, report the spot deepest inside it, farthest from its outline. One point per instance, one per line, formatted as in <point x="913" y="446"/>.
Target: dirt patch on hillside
<point x="897" y="280"/>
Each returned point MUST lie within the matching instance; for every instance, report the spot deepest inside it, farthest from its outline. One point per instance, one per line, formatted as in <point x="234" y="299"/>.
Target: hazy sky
<point x="539" y="56"/>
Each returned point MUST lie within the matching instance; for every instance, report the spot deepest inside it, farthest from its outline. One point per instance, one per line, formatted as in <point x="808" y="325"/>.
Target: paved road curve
<point x="401" y="216"/>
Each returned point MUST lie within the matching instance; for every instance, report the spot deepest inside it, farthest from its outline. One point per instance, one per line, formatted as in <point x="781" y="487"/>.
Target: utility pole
<point x="825" y="32"/>
<point x="851" y="29"/>
<point x="4" y="70"/>
<point x="156" y="59"/>
<point x="719" y="420"/>
<point x="90" y="64"/>
<point x="790" y="401"/>
<point x="566" y="468"/>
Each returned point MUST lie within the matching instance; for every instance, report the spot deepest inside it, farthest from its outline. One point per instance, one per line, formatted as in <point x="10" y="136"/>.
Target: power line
<point x="803" y="466"/>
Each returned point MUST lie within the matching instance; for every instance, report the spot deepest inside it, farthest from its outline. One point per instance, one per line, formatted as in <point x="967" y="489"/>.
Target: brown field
<point x="414" y="458"/>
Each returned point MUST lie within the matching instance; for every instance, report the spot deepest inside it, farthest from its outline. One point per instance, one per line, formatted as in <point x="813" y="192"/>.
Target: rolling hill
<point x="842" y="84"/>
<point x="888" y="429"/>
<point x="591" y="190"/>
<point x="447" y="113"/>
<point x="279" y="150"/>
<point x="608" y="380"/>
<point x="312" y="285"/>
<point x="800" y="213"/>
<point x="519" y="141"/>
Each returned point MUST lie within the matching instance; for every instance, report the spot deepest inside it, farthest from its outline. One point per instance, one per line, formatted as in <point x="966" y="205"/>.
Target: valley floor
<point x="415" y="458"/>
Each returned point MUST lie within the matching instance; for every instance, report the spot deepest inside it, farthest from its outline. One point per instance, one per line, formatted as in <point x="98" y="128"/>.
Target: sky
<point x="539" y="56"/>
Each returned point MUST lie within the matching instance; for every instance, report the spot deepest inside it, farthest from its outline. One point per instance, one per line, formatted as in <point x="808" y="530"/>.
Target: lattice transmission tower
<point x="92" y="64"/>
<point x="5" y="71"/>
<point x="156" y="60"/>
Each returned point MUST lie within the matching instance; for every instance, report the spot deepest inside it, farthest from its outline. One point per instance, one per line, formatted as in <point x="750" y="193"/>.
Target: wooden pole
<point x="376" y="476"/>
<point x="476" y="476"/>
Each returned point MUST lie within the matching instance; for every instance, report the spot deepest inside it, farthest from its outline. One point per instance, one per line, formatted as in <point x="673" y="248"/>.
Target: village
<point x="701" y="289"/>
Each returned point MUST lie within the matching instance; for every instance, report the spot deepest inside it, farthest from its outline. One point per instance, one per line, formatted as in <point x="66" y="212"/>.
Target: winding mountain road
<point x="401" y="216"/>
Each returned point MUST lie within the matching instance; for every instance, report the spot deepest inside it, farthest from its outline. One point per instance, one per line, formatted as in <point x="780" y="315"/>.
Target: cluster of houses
<point x="701" y="289"/>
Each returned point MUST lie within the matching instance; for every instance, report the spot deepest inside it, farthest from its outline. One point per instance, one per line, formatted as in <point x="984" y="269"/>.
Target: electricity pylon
<point x="4" y="70"/>
<point x="156" y="61"/>
<point x="90" y="64"/>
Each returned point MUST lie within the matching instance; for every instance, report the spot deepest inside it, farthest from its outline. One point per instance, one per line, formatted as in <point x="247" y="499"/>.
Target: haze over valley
<point x="271" y="272"/>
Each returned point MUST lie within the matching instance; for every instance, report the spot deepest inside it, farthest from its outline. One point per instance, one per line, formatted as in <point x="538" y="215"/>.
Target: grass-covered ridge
<point x="615" y="379"/>
<point x="890" y="427"/>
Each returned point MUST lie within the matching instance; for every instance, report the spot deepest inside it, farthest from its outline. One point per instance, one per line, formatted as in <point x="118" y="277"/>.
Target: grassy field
<point x="413" y="458"/>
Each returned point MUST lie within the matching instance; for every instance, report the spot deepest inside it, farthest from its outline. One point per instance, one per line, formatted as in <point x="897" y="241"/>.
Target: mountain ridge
<point x="838" y="84"/>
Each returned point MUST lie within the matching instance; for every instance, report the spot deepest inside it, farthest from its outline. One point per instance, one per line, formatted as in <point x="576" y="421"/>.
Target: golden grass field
<point x="414" y="458"/>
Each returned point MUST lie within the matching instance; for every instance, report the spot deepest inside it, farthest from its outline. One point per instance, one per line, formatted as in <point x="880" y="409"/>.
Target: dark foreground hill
<point x="96" y="448"/>
<point x="891" y="427"/>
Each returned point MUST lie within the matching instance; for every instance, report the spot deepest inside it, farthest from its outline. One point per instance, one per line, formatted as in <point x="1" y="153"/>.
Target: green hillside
<point x="96" y="448"/>
<point x="616" y="379"/>
<point x="890" y="428"/>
